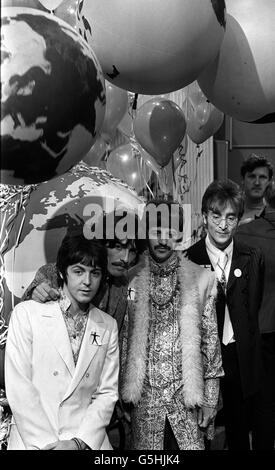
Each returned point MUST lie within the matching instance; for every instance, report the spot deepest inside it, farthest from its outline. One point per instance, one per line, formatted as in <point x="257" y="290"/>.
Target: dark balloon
<point x="268" y="118"/>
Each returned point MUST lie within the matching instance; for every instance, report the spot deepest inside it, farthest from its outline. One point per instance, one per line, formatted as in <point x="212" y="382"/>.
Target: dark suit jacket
<point x="244" y="295"/>
<point x="261" y="234"/>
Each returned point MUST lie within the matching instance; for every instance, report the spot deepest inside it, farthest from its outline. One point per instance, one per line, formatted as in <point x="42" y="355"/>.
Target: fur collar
<point x="189" y="322"/>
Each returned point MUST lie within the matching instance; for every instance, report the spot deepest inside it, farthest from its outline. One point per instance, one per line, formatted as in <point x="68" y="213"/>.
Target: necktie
<point x="222" y="265"/>
<point x="227" y="326"/>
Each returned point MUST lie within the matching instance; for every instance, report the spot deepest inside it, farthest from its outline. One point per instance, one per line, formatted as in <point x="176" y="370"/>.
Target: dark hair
<point x="75" y="248"/>
<point x="219" y="193"/>
<point x="269" y="194"/>
<point x="172" y="208"/>
<point x="256" y="161"/>
<point x="132" y="223"/>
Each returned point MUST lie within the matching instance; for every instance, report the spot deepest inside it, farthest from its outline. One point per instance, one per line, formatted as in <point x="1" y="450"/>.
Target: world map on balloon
<point x="53" y="96"/>
<point x="54" y="209"/>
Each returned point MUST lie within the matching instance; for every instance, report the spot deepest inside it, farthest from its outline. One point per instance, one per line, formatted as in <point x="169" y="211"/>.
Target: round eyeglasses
<point x="230" y="220"/>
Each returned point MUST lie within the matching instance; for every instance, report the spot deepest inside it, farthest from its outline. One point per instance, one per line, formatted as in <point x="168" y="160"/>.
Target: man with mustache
<point x="239" y="269"/>
<point x="171" y="354"/>
<point x="123" y="254"/>
<point x="256" y="173"/>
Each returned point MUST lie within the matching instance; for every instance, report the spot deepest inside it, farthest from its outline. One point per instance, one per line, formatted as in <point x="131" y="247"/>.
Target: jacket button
<point x="87" y="375"/>
<point x="55" y="372"/>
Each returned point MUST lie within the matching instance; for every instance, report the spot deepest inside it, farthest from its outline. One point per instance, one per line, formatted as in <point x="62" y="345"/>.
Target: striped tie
<point x="228" y="333"/>
<point x="222" y="265"/>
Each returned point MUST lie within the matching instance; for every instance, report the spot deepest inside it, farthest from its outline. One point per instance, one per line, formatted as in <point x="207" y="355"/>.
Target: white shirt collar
<point x="65" y="303"/>
<point x="214" y="252"/>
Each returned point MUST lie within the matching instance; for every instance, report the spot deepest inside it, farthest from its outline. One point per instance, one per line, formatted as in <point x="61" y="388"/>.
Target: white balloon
<point x="152" y="46"/>
<point x="241" y="80"/>
<point x="50" y="4"/>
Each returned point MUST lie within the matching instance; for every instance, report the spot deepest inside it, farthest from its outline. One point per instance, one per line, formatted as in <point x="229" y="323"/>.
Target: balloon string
<point x="173" y="171"/>
<point x="199" y="153"/>
<point x="139" y="164"/>
<point x="164" y="179"/>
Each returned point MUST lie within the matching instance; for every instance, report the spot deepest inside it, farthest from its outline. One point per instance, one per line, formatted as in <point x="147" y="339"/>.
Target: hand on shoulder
<point x="44" y="292"/>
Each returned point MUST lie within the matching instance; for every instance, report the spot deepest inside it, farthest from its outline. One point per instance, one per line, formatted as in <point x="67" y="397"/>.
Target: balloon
<point x="197" y="132"/>
<point x="149" y="160"/>
<point x="125" y="165"/>
<point x="51" y="5"/>
<point x="195" y="94"/>
<point x="240" y="81"/>
<point x="67" y="11"/>
<point x="180" y="153"/>
<point x="265" y="119"/>
<point x="116" y="107"/>
<point x="149" y="47"/>
<point x="53" y="96"/>
<point x="159" y="127"/>
<point x="199" y="102"/>
<point x="144" y="98"/>
<point x="54" y="209"/>
<point x="22" y="3"/>
<point x="96" y="153"/>
<point x="126" y="124"/>
<point x="203" y="112"/>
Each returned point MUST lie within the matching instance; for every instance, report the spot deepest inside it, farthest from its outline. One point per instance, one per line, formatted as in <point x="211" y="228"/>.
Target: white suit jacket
<point x="51" y="398"/>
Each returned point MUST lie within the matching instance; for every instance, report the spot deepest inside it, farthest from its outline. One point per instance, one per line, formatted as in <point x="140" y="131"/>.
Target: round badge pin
<point x="237" y="272"/>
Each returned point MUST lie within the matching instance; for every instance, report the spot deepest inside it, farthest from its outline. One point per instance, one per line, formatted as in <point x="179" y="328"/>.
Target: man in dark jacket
<point x="239" y="270"/>
<point x="261" y="234"/>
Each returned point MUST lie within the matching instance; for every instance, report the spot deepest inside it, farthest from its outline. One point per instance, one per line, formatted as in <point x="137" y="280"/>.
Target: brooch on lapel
<point x="206" y="266"/>
<point x="237" y="272"/>
<point x="95" y="338"/>
<point x="131" y="293"/>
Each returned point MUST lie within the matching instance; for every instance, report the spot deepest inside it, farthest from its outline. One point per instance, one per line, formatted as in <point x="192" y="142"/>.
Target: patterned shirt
<point x="75" y="324"/>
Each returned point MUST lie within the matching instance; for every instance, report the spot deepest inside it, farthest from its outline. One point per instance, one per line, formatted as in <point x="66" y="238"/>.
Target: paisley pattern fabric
<point x="75" y="324"/>
<point x="162" y="392"/>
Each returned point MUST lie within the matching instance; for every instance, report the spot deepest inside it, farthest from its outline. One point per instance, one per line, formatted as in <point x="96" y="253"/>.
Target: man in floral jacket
<point x="172" y="353"/>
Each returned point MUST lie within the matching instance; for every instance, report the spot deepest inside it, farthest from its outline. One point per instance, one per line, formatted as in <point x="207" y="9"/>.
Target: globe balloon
<point x="53" y="96"/>
<point x="23" y="3"/>
<point x="54" y="209"/>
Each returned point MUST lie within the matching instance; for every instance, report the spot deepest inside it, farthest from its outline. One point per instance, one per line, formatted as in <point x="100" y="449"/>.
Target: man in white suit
<point x="62" y="359"/>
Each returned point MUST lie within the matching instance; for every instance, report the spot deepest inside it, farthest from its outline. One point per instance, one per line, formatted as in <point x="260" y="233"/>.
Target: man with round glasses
<point x="239" y="271"/>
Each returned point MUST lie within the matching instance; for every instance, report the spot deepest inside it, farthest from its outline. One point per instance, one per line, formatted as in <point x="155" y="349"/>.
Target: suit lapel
<point x="199" y="254"/>
<point x="114" y="298"/>
<point x="238" y="265"/>
<point x="56" y="329"/>
<point x="117" y="303"/>
<point x="91" y="344"/>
